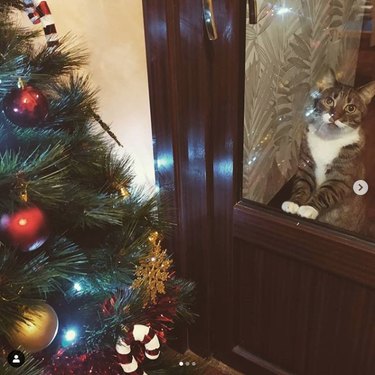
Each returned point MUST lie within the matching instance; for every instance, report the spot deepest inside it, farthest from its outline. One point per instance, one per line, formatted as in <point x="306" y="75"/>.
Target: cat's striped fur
<point x="331" y="157"/>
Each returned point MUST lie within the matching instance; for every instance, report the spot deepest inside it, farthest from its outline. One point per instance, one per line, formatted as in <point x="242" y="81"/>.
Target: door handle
<point x="209" y="19"/>
<point x="253" y="12"/>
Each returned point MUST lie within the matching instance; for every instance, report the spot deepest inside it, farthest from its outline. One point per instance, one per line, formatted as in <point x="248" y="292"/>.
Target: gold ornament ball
<point x="38" y="331"/>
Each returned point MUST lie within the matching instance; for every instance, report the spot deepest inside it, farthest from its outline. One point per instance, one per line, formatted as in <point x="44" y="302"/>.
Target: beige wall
<point x="113" y="33"/>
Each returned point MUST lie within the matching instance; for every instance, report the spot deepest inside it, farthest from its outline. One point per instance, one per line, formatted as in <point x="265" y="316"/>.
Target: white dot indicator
<point x="181" y="363"/>
<point x="187" y="363"/>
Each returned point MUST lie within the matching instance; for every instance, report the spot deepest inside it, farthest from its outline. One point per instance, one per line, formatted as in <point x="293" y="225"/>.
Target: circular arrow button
<point x="360" y="187"/>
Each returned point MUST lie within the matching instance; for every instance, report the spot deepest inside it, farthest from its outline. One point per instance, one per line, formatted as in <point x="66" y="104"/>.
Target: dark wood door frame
<point x="181" y="156"/>
<point x="196" y="94"/>
<point x="198" y="146"/>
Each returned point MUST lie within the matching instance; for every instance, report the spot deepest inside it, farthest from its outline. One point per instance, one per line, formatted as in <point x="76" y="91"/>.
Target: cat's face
<point x="341" y="107"/>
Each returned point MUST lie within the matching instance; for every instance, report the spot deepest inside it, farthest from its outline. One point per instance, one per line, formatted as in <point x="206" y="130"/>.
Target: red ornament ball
<point x="25" y="229"/>
<point x="25" y="107"/>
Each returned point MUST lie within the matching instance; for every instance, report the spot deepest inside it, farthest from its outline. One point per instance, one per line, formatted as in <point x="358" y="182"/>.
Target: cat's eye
<point x="350" y="108"/>
<point x="329" y="101"/>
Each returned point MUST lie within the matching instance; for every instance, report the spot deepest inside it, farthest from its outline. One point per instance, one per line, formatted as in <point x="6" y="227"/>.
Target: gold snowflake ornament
<point x="153" y="270"/>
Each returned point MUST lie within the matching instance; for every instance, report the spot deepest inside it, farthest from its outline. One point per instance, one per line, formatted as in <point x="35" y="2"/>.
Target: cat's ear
<point x="326" y="81"/>
<point x="367" y="92"/>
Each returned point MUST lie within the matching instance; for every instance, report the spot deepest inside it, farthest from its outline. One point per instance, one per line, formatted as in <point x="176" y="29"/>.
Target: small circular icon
<point x="16" y="358"/>
<point x="360" y="187"/>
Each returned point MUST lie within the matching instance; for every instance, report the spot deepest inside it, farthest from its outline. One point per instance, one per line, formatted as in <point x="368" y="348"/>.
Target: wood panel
<point x="304" y="297"/>
<point x="307" y="241"/>
<point x="299" y="319"/>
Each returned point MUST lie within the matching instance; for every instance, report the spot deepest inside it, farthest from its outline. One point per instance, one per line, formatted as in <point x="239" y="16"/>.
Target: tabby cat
<point x="331" y="157"/>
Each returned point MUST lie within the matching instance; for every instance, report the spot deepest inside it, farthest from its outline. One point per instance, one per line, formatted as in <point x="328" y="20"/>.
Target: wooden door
<point x="275" y="294"/>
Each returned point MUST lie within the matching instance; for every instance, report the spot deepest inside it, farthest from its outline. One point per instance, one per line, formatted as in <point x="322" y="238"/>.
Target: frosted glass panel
<point x="297" y="52"/>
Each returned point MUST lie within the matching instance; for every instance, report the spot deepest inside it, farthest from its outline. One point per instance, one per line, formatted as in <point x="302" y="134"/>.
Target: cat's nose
<point x="334" y="116"/>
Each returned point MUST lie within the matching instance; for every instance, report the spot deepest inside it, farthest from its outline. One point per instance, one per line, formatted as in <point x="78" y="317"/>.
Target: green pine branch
<point x="42" y="171"/>
<point x="69" y="56"/>
<point x="72" y="100"/>
<point x="26" y="280"/>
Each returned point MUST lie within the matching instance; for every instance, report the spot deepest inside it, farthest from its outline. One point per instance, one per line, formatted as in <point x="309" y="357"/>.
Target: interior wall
<point x="114" y="35"/>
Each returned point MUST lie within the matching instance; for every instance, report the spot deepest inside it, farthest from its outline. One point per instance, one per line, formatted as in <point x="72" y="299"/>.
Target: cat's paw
<point x="308" y="212"/>
<point x="290" y="207"/>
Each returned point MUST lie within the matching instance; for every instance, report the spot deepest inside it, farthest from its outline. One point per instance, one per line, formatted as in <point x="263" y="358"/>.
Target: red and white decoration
<point x="31" y="12"/>
<point x="146" y="336"/>
<point x="38" y="11"/>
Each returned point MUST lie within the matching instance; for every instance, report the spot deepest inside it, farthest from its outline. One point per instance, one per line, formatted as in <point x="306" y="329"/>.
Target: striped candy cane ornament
<point x="144" y="335"/>
<point x="38" y="11"/>
<point x="31" y="12"/>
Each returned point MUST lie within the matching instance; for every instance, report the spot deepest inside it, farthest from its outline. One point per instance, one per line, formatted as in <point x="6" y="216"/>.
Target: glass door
<point x="309" y="136"/>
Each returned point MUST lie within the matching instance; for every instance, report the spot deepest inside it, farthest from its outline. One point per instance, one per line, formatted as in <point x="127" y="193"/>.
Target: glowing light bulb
<point x="70" y="335"/>
<point x="77" y="287"/>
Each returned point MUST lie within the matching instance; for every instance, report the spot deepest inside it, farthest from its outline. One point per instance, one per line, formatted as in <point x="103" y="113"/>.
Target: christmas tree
<point x="86" y="286"/>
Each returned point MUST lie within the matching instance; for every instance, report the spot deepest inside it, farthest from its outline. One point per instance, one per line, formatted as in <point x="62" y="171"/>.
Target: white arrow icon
<point x="360" y="187"/>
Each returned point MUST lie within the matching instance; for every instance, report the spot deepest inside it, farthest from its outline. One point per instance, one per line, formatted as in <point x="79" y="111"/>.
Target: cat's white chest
<point x="324" y="151"/>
